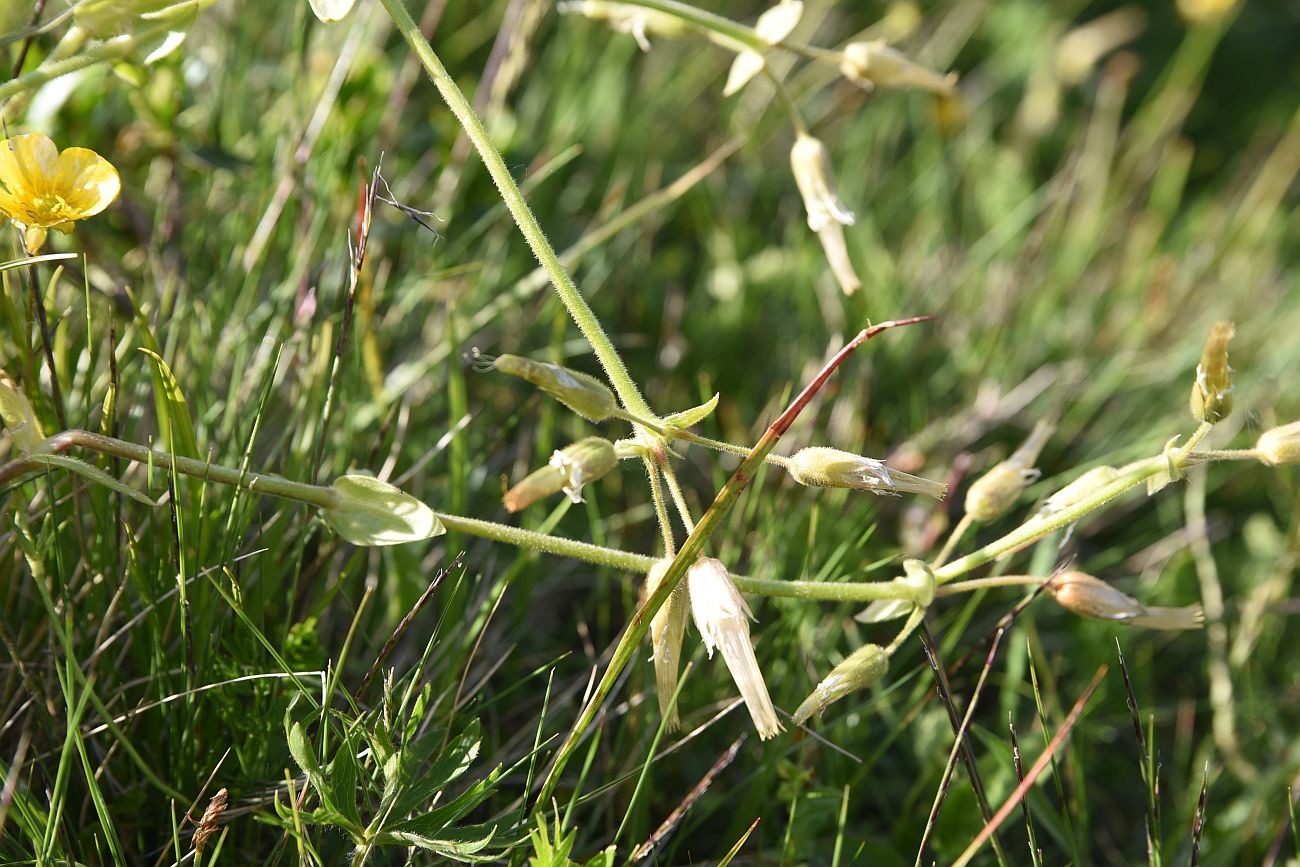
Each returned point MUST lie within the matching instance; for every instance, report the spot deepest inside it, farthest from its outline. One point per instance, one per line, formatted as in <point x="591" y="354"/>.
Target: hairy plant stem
<point x="661" y="508"/>
<point x="628" y="393"/>
<point x="787" y="101"/>
<point x="679" y="500"/>
<point x="671" y="433"/>
<point x="1040" y="525"/>
<point x="639" y="624"/>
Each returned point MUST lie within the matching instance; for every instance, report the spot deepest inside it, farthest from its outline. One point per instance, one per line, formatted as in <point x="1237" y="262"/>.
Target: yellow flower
<point x="42" y="189"/>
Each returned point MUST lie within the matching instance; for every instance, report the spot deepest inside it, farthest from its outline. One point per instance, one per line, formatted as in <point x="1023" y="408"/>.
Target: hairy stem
<point x="628" y="393"/>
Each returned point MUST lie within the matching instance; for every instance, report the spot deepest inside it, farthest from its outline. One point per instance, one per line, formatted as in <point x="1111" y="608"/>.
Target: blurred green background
<point x="1074" y="239"/>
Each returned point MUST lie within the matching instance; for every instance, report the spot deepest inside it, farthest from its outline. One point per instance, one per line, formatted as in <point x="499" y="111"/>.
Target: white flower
<point x="723" y="618"/>
<point x="812" y="174"/>
<point x="772" y="26"/>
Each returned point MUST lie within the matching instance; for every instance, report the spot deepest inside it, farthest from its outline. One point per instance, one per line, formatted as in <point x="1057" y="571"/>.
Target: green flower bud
<point x="993" y="494"/>
<point x="1211" y="398"/>
<point x="585" y="395"/>
<point x="1280" y="446"/>
<point x="1093" y="598"/>
<point x="861" y="669"/>
<point x="569" y="469"/>
<point x="821" y="467"/>
<point x="367" y="511"/>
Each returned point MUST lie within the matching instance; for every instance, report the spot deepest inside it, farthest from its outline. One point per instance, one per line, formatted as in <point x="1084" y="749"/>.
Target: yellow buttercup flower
<point x="43" y="189"/>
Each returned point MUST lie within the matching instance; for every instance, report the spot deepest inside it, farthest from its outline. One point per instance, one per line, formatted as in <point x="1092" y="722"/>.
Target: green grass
<point x="222" y="640"/>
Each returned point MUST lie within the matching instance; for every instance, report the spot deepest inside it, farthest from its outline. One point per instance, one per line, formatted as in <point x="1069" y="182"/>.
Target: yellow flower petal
<point x="26" y="163"/>
<point x="87" y="181"/>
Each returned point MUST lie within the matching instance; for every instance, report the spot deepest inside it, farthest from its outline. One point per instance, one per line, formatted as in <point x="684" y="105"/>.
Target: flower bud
<point x="993" y="494"/>
<point x="569" y="469"/>
<point x="722" y="617"/>
<point x="585" y="395"/>
<point x="773" y="26"/>
<point x="861" y="669"/>
<point x="874" y="64"/>
<point x="18" y="416"/>
<point x="1086" y="485"/>
<point x="367" y="511"/>
<point x="827" y="215"/>
<point x="812" y="174"/>
<point x="1211" y="399"/>
<point x="666" y="631"/>
<point x="633" y="20"/>
<point x="822" y="467"/>
<point x="1280" y="446"/>
<point x="1091" y="597"/>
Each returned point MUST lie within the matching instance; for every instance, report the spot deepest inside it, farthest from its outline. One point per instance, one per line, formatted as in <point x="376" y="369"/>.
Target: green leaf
<point x="301" y="750"/>
<point x="173" y="412"/>
<point x="342" y="782"/>
<point x="371" y="512"/>
<point x="436" y="821"/>
<point x="95" y="474"/>
<point x="459" y="844"/>
<point x="693" y="416"/>
<point x="417" y="788"/>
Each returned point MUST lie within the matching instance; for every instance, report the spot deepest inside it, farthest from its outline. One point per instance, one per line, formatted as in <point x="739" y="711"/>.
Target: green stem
<point x="111" y="49"/>
<point x="987" y="583"/>
<point x="1041" y="525"/>
<point x="1223" y="455"/>
<point x="661" y="509"/>
<point x="721" y="446"/>
<point x="627" y="390"/>
<point x="787" y="101"/>
<point x="256" y="482"/>
<point x="953" y="538"/>
<point x="639" y="624"/>
<point x="679" y="500"/>
<point x="733" y="34"/>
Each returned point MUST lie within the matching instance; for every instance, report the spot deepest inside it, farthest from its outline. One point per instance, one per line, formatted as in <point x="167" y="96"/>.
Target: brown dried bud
<point x="1280" y="445"/>
<point x="1091" y="597"/>
<point x="569" y="469"/>
<point x="208" y="824"/>
<point x="1211" y="399"/>
<point x="861" y="669"/>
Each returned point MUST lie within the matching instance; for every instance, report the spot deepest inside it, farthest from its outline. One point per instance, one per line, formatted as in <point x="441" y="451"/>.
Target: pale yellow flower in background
<point x="43" y="189"/>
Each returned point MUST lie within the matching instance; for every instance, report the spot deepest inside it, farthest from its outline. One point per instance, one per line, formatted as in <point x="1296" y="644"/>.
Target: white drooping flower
<point x="723" y="618"/>
<point x="827" y="214"/>
<point x="772" y="26"/>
